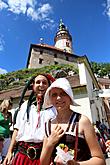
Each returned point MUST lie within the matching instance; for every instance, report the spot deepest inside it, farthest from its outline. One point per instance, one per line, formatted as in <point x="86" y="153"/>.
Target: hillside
<point x="20" y="77"/>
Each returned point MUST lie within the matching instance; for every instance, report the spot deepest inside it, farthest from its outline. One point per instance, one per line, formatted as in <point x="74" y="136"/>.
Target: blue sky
<point x="24" y="22"/>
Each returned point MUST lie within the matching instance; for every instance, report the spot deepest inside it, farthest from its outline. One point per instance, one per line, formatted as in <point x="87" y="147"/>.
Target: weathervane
<point x="41" y="40"/>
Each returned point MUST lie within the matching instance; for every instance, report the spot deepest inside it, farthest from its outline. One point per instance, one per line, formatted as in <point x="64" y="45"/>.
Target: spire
<point x="61" y="25"/>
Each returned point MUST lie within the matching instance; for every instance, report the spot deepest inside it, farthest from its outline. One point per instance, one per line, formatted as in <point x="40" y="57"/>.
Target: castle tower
<point x="41" y="55"/>
<point x="63" y="39"/>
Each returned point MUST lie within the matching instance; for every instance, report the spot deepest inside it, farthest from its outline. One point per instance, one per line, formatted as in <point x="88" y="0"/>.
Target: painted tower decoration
<point x="63" y="39"/>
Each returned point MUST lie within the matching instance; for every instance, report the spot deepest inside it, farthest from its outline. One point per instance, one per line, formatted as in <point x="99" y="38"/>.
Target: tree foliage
<point x="101" y="69"/>
<point x="20" y="77"/>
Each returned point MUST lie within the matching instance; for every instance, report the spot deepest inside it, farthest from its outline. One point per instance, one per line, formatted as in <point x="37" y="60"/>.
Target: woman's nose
<point x="41" y="83"/>
<point x="58" y="97"/>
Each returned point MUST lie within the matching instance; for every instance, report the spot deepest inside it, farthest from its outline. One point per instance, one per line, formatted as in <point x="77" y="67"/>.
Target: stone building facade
<point x="41" y="55"/>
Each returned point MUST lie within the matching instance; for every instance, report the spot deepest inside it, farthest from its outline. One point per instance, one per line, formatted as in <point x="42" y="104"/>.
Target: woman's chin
<point x="60" y="108"/>
<point x="41" y="93"/>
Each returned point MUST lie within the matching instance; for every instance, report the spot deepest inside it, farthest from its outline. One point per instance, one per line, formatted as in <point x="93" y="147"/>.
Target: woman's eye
<point x="54" y="94"/>
<point x="63" y="94"/>
<point x="37" y="82"/>
<point x="44" y="82"/>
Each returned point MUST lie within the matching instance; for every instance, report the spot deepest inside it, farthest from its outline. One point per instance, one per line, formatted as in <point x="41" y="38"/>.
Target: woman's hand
<point x="55" y="135"/>
<point x="49" y="144"/>
<point x="7" y="159"/>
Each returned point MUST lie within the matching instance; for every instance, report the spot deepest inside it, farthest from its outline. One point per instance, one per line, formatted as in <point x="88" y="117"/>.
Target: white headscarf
<point x="61" y="83"/>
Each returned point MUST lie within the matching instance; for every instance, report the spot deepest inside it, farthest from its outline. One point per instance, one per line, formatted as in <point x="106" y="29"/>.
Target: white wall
<point x="84" y="107"/>
<point x="91" y="110"/>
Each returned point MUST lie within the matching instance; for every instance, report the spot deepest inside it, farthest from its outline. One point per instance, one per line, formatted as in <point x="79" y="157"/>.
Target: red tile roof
<point x="103" y="80"/>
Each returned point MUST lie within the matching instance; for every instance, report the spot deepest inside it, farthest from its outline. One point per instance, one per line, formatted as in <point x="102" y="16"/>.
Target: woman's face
<point x="59" y="98"/>
<point x="40" y="85"/>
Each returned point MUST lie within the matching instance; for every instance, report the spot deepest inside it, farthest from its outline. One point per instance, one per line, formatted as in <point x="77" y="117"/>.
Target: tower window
<point x="55" y="62"/>
<point x="40" y="60"/>
<point x="106" y="86"/>
<point x="65" y="50"/>
<point x="41" y="52"/>
<point x="55" y="55"/>
<point x="67" y="44"/>
<point x="67" y="59"/>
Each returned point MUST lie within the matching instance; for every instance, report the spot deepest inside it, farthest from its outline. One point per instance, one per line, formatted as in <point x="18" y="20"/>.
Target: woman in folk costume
<point x="70" y="137"/>
<point x="29" y="128"/>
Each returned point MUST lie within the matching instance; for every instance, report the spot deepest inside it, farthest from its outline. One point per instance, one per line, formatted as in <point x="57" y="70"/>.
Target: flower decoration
<point x="64" y="153"/>
<point x="51" y="78"/>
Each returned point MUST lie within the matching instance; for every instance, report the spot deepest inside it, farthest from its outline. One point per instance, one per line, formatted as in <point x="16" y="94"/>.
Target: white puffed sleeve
<point x="20" y="119"/>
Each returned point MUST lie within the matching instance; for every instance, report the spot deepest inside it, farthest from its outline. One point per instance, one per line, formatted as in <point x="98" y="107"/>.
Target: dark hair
<point x="11" y="101"/>
<point x="1" y="138"/>
<point x="29" y="86"/>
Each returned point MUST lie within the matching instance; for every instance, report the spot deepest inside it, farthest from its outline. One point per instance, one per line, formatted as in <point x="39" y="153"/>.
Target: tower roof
<point x="62" y="32"/>
<point x="62" y="26"/>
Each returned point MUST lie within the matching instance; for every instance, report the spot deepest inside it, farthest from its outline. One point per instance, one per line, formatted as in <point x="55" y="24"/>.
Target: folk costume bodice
<point x="69" y="138"/>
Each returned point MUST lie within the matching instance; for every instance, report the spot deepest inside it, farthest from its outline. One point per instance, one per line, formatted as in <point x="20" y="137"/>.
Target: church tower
<point x="63" y="39"/>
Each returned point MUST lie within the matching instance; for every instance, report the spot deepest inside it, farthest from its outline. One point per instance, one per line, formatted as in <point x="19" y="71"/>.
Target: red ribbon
<point x="39" y="99"/>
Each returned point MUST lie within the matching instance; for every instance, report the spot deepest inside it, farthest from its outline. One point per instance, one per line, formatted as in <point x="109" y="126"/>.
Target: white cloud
<point x="30" y="8"/>
<point x="107" y="8"/>
<point x="3" y="5"/>
<point x="32" y="13"/>
<point x="2" y="43"/>
<point x="41" y="13"/>
<point x="19" y="6"/>
<point x="50" y="23"/>
<point x="2" y="71"/>
<point x="44" y="10"/>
